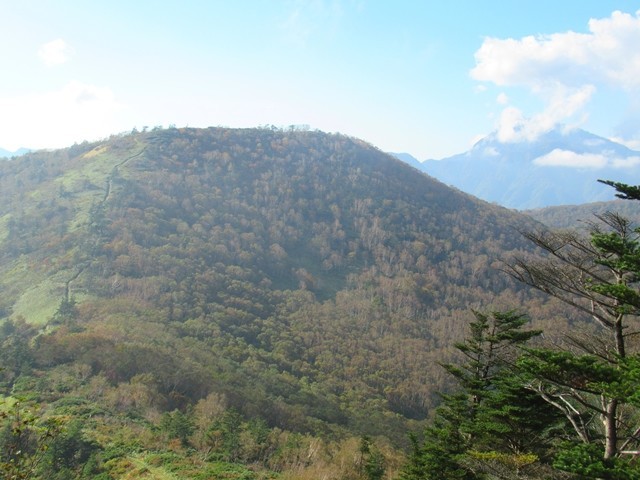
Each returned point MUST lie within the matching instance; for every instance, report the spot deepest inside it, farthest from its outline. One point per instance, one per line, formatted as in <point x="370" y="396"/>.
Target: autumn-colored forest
<point x="240" y="303"/>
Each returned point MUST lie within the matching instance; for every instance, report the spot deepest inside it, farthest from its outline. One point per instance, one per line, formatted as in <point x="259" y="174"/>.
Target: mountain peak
<point x="8" y="153"/>
<point x="575" y="139"/>
<point x="559" y="167"/>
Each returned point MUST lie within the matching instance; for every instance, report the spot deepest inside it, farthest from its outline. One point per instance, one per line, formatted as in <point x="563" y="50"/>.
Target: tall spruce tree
<point x="492" y="426"/>
<point x="592" y="381"/>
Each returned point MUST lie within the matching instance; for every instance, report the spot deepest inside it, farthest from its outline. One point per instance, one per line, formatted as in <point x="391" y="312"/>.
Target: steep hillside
<point x="307" y="279"/>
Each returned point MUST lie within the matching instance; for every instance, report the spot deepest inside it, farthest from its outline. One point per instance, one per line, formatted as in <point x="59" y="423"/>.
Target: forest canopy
<point x="242" y="292"/>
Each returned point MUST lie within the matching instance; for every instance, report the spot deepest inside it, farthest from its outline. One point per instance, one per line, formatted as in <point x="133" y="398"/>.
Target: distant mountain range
<point x="559" y="168"/>
<point x="581" y="217"/>
<point x="8" y="153"/>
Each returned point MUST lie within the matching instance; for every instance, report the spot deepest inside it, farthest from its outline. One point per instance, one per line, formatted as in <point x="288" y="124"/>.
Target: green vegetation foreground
<point x="237" y="304"/>
<point x="547" y="409"/>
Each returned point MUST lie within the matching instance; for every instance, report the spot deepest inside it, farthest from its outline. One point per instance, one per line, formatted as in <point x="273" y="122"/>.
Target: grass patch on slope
<point x="4" y="227"/>
<point x="38" y="303"/>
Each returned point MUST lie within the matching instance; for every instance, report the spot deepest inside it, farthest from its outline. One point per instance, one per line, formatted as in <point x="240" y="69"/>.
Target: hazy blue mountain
<point x="559" y="168"/>
<point x="408" y="159"/>
<point x="8" y="153"/>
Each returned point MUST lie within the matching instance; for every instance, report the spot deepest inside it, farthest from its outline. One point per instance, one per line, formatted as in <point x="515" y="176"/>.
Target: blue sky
<point x="425" y="77"/>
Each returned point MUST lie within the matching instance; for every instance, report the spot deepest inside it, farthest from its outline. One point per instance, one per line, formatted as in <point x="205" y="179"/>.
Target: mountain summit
<point x="309" y="278"/>
<point x="560" y="167"/>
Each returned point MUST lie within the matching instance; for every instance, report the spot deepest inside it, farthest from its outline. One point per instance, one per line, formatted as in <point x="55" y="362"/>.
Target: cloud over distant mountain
<point x="564" y="69"/>
<point x="560" y="167"/>
<point x="567" y="158"/>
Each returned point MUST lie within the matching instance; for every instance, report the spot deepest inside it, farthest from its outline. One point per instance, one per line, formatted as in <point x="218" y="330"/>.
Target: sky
<point x="426" y="77"/>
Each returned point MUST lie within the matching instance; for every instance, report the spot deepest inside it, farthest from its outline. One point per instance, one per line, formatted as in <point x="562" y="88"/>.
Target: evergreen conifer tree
<point x="592" y="381"/>
<point x="491" y="424"/>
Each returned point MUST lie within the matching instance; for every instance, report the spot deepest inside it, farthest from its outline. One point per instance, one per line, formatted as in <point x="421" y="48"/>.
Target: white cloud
<point x="630" y="162"/>
<point x="55" y="52"/>
<point x="627" y="132"/>
<point x="476" y="139"/>
<point x="633" y="144"/>
<point x="502" y="99"/>
<point x="615" y="51"/>
<point x="510" y="125"/>
<point x="608" y="53"/>
<point x="561" y="107"/>
<point x="490" y="152"/>
<point x="567" y="158"/>
<point x="564" y="69"/>
<point x="59" y="118"/>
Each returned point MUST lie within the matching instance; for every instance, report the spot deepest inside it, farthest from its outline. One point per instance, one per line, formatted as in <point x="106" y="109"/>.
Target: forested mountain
<point x="305" y="280"/>
<point x="562" y="408"/>
<point x="580" y="216"/>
